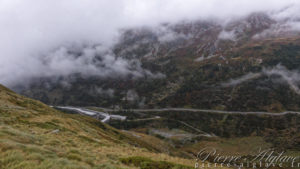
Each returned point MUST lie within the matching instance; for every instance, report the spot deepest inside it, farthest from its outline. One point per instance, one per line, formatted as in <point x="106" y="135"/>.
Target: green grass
<point x="35" y="136"/>
<point x="146" y="163"/>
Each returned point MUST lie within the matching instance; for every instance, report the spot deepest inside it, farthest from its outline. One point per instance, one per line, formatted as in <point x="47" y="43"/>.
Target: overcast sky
<point x="31" y="29"/>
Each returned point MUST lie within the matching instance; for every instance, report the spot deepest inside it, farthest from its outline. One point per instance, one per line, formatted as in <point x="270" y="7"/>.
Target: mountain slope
<point x="33" y="135"/>
<point x="198" y="64"/>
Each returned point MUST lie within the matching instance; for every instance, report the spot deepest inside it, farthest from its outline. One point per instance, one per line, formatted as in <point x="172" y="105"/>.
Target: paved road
<point x="106" y="116"/>
<point x="203" y="110"/>
<point x="146" y="119"/>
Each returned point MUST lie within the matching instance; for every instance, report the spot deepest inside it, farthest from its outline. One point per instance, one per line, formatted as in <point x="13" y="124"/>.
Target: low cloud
<point x="289" y="77"/>
<point x="289" y="17"/>
<point x="103" y="92"/>
<point x="166" y="34"/>
<point x="292" y="78"/>
<point x="37" y="36"/>
<point x="132" y="95"/>
<point x="90" y="61"/>
<point x="242" y="79"/>
<point x="227" y="35"/>
<point x="287" y="22"/>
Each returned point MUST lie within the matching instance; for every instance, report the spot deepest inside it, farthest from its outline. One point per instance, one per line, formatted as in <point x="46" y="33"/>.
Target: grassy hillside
<point x="33" y="135"/>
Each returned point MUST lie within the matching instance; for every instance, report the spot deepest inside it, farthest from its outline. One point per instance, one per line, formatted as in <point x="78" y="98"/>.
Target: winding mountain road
<point x="202" y="110"/>
<point x="106" y="117"/>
